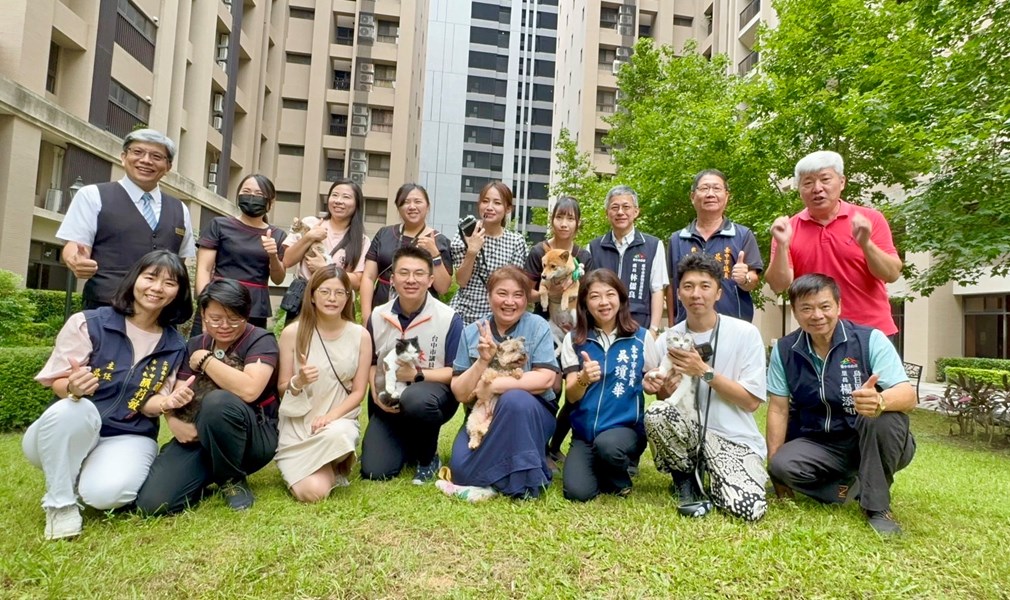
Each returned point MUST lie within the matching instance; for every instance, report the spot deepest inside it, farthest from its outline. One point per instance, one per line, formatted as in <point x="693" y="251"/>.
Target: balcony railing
<point x="119" y="120"/>
<point x="134" y="42"/>
<point x="748" y="63"/>
<point x="749" y="12"/>
<point x="605" y="108"/>
<point x="383" y="127"/>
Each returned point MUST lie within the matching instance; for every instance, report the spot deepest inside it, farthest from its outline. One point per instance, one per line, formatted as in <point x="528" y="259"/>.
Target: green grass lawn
<point x="396" y="540"/>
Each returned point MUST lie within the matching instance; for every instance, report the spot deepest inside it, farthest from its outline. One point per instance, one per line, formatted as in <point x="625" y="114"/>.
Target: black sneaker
<point x="882" y="521"/>
<point x="692" y="502"/>
<point x="426" y="473"/>
<point x="237" y="494"/>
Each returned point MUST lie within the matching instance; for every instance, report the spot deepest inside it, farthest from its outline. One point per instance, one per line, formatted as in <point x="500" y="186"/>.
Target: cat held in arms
<point x="406" y="351"/>
<point x="683" y="397"/>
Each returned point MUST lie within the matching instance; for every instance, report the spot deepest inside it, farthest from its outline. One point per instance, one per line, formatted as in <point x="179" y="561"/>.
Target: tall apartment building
<point x="351" y="103"/>
<point x="595" y="37"/>
<point x="488" y="105"/>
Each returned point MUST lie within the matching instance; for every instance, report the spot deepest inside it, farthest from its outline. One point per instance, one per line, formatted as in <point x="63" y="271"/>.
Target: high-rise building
<point x="488" y="105"/>
<point x="351" y="103"/>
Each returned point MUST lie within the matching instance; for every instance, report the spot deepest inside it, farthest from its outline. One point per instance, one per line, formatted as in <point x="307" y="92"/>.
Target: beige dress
<point x="301" y="453"/>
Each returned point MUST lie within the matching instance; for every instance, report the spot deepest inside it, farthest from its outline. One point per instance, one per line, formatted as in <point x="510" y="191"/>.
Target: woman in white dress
<point x="324" y="363"/>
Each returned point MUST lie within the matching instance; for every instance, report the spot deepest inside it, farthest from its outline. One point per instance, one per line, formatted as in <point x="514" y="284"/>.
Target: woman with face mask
<point x="245" y="248"/>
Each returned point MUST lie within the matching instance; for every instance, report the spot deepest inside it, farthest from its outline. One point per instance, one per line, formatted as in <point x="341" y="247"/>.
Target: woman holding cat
<point x="342" y="233"/>
<point x="325" y="358"/>
<point x="489" y="247"/>
<point x="245" y="248"/>
<point x="510" y="460"/>
<point x="605" y="359"/>
<point x="112" y="369"/>
<point x="234" y="433"/>
<point x="412" y="203"/>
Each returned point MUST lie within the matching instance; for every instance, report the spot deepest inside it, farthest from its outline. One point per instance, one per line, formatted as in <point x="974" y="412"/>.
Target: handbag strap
<point x="330" y="360"/>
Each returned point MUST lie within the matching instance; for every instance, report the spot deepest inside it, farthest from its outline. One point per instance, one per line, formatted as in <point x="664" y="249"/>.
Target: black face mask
<point x="254" y="206"/>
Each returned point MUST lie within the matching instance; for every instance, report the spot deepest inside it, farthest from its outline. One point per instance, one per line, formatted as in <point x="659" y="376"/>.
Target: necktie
<point x="147" y="209"/>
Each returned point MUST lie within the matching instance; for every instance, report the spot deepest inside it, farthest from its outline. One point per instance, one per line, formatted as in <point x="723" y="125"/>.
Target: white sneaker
<point x="63" y="522"/>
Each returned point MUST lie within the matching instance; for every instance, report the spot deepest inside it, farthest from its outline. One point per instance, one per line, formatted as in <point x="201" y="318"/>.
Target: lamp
<point x="71" y="280"/>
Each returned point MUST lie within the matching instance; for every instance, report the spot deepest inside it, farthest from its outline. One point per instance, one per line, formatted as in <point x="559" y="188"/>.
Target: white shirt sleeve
<point x="652" y="354"/>
<point x="660" y="278"/>
<point x="568" y="356"/>
<point x="81" y="221"/>
<point x="188" y="247"/>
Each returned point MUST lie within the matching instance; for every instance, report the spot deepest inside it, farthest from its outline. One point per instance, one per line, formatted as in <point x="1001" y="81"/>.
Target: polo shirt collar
<point x="398" y="310"/>
<point x="727" y="229"/>
<point x="844" y="210"/>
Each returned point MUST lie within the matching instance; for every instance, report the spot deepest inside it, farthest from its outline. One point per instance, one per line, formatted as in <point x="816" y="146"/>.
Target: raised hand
<point x="81" y="263"/>
<point x="866" y="398"/>
<point x="427" y="243"/>
<point x="317" y="233"/>
<point x="269" y="244"/>
<point x="740" y="270"/>
<point x="180" y="396"/>
<point x="782" y="231"/>
<point x="486" y="346"/>
<point x="306" y="373"/>
<point x="475" y="241"/>
<point x="591" y="368"/>
<point x="81" y="381"/>
<point x="861" y="228"/>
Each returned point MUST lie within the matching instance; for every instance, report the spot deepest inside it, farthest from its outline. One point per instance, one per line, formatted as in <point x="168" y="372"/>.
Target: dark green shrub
<point x="22" y="399"/>
<point x="51" y="304"/>
<point x="999" y="364"/>
<point x="16" y="310"/>
<point x="991" y="376"/>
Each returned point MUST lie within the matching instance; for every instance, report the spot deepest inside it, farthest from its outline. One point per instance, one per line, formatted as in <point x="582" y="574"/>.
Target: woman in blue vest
<point x="605" y="359"/>
<point x="112" y="368"/>
<point x="234" y="433"/>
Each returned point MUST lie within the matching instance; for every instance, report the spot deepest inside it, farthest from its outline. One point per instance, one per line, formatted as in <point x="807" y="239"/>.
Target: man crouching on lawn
<point x="838" y="412"/>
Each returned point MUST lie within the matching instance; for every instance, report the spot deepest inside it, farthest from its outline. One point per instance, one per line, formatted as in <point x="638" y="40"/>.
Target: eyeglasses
<point x="328" y="293"/>
<point x="415" y="275"/>
<point x="616" y="208"/>
<point x="704" y="189"/>
<point x="139" y="153"/>
<point x="216" y="321"/>
<point x="245" y="192"/>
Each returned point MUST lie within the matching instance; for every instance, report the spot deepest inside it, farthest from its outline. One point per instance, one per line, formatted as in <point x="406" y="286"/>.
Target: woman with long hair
<point x="325" y="359"/>
<point x="605" y="359"/>
<point x="487" y="249"/>
<point x="114" y="369"/>
<point x="413" y="204"/>
<point x="245" y="248"/>
<point x="341" y="232"/>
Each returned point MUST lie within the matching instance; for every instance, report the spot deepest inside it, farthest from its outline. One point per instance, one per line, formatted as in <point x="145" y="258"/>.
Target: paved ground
<point x="929" y="393"/>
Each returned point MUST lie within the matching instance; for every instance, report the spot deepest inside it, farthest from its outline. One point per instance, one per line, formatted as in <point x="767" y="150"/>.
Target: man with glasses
<point x="407" y="431"/>
<point x="110" y="226"/>
<point x="636" y="257"/>
<point x="732" y="244"/>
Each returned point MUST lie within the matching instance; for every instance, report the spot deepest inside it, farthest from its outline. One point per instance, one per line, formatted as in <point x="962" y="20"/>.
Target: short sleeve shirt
<point x="339" y="258"/>
<point x="471" y="300"/>
<point x="240" y="256"/>
<point x="534" y="267"/>
<point x="255" y="345"/>
<point x="386" y="242"/>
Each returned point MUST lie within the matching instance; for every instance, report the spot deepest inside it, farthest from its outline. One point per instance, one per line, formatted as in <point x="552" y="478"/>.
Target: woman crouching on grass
<point x="112" y="368"/>
<point x="325" y="359"/>
<point x="511" y="458"/>
<point x="608" y="427"/>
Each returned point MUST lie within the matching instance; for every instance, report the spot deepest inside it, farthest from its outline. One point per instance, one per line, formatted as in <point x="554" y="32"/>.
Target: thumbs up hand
<point x="307" y="373"/>
<point x="867" y="399"/>
<point x="269" y="243"/>
<point x="591" y="372"/>
<point x="741" y="271"/>
<point x="81" y="381"/>
<point x="180" y="396"/>
<point x="81" y="263"/>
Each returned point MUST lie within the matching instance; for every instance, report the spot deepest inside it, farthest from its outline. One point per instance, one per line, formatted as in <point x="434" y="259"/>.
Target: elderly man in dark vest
<point x="110" y="226"/>
<point x="839" y="399"/>
<point x="636" y="257"/>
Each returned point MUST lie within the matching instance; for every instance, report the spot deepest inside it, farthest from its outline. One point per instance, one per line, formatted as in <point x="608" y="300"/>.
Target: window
<point x="898" y="314"/>
<point x="985" y="326"/>
<point x="289" y="197"/>
<point x="607" y="56"/>
<point x="472" y="185"/>
<point x="598" y="144"/>
<point x="546" y="44"/>
<point x="134" y="16"/>
<point x="334" y="168"/>
<point x="385" y="75"/>
<point x="378" y="165"/>
<point x="338" y="125"/>
<point x="486" y="85"/>
<point x="53" y="68"/>
<point x="345" y="36"/>
<point x="682" y="21"/>
<point x="128" y="101"/>
<point x="387" y="31"/>
<point x="382" y="120"/>
<point x="290" y="150"/>
<point x="540" y="141"/>
<point x="543" y="93"/>
<point x="489" y="37"/>
<point x="135" y="33"/>
<point x="299" y="59"/>
<point x="606" y="101"/>
<point x="45" y="271"/>
<point x="543" y="68"/>
<point x="295" y="104"/>
<point x="489" y="12"/>
<point x="341" y="80"/>
<point x="375" y="210"/>
<point x="546" y="20"/>
<point x="302" y="13"/>
<point x="541" y="116"/>
<point x="608" y="17"/>
<point x="539" y="166"/>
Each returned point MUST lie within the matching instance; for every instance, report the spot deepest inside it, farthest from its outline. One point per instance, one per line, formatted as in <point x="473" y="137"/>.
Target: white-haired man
<point x="850" y="243"/>
<point x="110" y="226"/>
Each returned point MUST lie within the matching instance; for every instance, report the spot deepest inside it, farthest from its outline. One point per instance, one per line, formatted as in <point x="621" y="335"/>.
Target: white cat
<point x="683" y="397"/>
<point x="405" y="352"/>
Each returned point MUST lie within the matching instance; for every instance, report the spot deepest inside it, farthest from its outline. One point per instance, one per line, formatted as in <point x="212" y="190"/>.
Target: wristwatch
<point x="709" y="376"/>
<point x="420" y="376"/>
<point x="881" y="405"/>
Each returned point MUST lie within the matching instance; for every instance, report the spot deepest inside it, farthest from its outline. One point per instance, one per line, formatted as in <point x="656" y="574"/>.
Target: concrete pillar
<point x="19" y="162"/>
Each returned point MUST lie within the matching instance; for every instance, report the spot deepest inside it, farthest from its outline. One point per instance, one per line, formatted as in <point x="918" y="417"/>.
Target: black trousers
<point x="236" y="440"/>
<point x="408" y="437"/>
<point x="825" y="469"/>
<point x="601" y="466"/>
<point x="564" y="426"/>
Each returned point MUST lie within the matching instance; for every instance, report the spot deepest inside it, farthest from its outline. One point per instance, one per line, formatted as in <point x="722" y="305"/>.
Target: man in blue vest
<point x="839" y="399"/>
<point x="637" y="258"/>
<point x="110" y="226"/>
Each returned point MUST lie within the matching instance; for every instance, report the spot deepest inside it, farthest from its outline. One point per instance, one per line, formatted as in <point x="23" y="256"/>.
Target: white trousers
<point x="106" y="471"/>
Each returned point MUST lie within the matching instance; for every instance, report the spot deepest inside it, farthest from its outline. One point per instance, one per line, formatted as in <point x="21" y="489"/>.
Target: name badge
<point x="180" y="231"/>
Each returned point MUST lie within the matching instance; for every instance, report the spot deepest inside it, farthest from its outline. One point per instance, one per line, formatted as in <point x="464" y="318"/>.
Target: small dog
<point x="405" y="352"/>
<point x="560" y="268"/>
<point x="683" y="397"/>
<point x="202" y="386"/>
<point x="302" y="226"/>
<point x="508" y="361"/>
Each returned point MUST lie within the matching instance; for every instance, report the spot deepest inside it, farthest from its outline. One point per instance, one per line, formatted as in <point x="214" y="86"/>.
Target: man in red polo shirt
<point x="850" y="243"/>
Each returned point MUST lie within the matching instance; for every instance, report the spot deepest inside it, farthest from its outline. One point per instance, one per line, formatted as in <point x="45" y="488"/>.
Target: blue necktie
<point x="147" y="209"/>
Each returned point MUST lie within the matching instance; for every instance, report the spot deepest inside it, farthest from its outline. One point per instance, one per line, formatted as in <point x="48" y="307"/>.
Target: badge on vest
<point x="179" y="231"/>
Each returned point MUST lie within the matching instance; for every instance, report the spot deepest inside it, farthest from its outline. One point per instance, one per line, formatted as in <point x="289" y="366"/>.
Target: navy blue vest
<point x="123" y="387"/>
<point x="123" y="237"/>
<point x="616" y="400"/>
<point x="635" y="270"/>
<point x="821" y="405"/>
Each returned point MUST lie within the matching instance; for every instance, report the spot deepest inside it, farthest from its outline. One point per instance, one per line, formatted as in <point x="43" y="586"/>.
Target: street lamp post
<point x="71" y="280"/>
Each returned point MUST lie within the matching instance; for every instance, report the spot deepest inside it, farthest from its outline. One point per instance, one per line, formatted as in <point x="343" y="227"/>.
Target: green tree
<point x="575" y="177"/>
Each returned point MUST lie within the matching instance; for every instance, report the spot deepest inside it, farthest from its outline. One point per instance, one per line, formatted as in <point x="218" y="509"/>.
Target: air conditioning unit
<point x="366" y="32"/>
<point x="626" y="9"/>
<point x="217" y="122"/>
<point x="363" y="87"/>
<point x="212" y="178"/>
<point x="626" y="19"/>
<point x="359" y="130"/>
<point x="223" y="64"/>
<point x="218" y="103"/>
<point x="360" y="109"/>
<point x="222" y="52"/>
<point x="359" y="155"/>
<point x="626" y="30"/>
<point x="358" y="178"/>
<point x="366" y="78"/>
<point x="212" y="187"/>
<point x="366" y="19"/>
<point x="359" y="120"/>
<point x="359" y="165"/>
<point x="212" y="168"/>
<point x="366" y="67"/>
<point x="54" y="200"/>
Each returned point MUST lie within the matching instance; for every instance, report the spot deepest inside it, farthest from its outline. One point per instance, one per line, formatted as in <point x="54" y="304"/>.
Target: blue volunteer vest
<point x="634" y="269"/>
<point x="616" y="400"/>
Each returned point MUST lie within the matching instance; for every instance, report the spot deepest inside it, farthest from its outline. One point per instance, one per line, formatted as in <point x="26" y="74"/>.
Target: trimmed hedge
<point x="22" y="399"/>
<point x="993" y="376"/>
<point x="50" y="304"/>
<point x="998" y="364"/>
